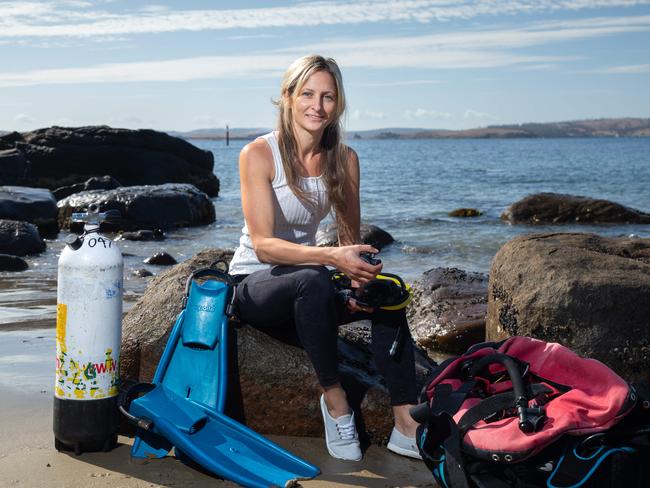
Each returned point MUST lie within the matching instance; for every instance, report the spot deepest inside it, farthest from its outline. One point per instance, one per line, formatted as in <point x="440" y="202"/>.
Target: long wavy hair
<point x="336" y="152"/>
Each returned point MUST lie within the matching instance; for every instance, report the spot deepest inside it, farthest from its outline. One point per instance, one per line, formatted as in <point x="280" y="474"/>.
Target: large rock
<point x="62" y="156"/>
<point x="144" y="207"/>
<point x="370" y="234"/>
<point x="279" y="386"/>
<point x="447" y="313"/>
<point x="585" y="291"/>
<point x="12" y="263"/>
<point x="556" y="208"/>
<point x="105" y="182"/>
<point x="14" y="167"/>
<point x="19" y="238"/>
<point x="35" y="205"/>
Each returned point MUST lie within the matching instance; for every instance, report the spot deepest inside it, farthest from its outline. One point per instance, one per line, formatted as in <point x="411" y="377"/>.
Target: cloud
<point x="421" y="113"/>
<point x="395" y="83"/>
<point x="488" y="48"/>
<point x="629" y="69"/>
<point x="476" y="115"/>
<point x="366" y="114"/>
<point x="59" y="18"/>
<point x="23" y="119"/>
<point x="208" y="120"/>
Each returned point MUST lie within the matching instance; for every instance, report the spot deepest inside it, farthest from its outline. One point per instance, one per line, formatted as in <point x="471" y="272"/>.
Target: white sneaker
<point x="341" y="435"/>
<point x="405" y="446"/>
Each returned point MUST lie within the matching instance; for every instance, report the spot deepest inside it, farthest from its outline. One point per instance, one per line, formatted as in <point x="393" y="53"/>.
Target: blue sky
<point x="406" y="63"/>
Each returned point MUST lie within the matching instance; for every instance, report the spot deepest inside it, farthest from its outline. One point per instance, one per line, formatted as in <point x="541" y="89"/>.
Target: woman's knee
<point x="314" y="280"/>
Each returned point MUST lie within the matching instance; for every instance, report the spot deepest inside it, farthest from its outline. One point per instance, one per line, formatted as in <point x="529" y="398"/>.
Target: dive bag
<point x="526" y="413"/>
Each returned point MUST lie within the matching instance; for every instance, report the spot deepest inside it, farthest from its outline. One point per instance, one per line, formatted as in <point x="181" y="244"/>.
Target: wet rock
<point x="465" y="212"/>
<point x="447" y="313"/>
<point x="95" y="183"/>
<point x="585" y="291"/>
<point x="34" y="205"/>
<point x="556" y="208"/>
<point x="160" y="259"/>
<point x="144" y="207"/>
<point x="14" y="167"/>
<point x="142" y="235"/>
<point x="370" y="234"/>
<point x="278" y="383"/>
<point x="12" y="263"/>
<point x="19" y="238"/>
<point x="64" y="156"/>
<point x="142" y="273"/>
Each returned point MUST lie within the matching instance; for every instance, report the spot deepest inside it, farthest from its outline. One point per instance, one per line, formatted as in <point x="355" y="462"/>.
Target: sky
<point x="183" y="65"/>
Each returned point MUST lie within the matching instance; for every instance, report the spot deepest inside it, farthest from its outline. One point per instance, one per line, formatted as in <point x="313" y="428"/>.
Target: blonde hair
<point x="335" y="168"/>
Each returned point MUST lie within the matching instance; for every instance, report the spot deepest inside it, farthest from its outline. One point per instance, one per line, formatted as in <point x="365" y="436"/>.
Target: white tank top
<point x="292" y="220"/>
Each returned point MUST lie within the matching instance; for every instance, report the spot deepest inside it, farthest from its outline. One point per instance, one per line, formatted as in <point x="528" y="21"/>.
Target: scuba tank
<point x="88" y="336"/>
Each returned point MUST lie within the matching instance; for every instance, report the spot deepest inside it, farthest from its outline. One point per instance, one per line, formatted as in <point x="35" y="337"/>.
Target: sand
<point x="28" y="457"/>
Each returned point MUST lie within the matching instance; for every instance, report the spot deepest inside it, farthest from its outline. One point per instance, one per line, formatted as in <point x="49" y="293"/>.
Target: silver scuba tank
<point x="88" y="336"/>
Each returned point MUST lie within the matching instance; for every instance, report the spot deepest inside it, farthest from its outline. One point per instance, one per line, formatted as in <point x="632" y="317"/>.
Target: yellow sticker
<point x="61" y="319"/>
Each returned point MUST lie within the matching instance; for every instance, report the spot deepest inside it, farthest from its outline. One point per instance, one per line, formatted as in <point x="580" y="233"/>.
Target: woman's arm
<point x="349" y="234"/>
<point x="256" y="174"/>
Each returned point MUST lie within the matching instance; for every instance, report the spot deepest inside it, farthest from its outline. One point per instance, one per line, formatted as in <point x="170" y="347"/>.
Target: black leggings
<point x="288" y="300"/>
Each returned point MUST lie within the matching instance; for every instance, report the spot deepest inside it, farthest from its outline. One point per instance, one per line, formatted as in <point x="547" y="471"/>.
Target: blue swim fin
<point x="184" y="407"/>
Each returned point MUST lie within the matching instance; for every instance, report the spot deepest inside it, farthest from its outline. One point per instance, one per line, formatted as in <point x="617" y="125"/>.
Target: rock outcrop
<point x="34" y="205"/>
<point x="585" y="291"/>
<point x="105" y="182"/>
<point x="447" y="313"/>
<point x="279" y="386"/>
<point x="19" y="238"/>
<point x="556" y="208"/>
<point x="370" y="234"/>
<point x="144" y="207"/>
<point x="61" y="156"/>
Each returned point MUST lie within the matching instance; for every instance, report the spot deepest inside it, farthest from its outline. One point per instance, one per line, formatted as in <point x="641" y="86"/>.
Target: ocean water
<point x="407" y="188"/>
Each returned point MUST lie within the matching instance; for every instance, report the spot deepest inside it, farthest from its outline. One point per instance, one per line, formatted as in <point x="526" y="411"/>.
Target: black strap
<point x="447" y="400"/>
<point x="495" y="404"/>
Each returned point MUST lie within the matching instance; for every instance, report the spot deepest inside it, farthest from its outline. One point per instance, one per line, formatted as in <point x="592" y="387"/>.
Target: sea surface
<point x="407" y="188"/>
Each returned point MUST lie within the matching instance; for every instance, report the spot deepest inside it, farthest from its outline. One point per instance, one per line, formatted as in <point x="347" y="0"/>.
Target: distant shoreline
<point x="590" y="128"/>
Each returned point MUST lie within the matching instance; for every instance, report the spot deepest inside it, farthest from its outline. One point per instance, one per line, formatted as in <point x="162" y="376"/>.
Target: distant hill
<point x="624" y="127"/>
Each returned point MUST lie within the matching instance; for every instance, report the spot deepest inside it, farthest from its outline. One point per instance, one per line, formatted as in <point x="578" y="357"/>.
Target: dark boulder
<point x="160" y="259"/>
<point x="556" y="208"/>
<point x="144" y="207"/>
<point x="370" y="234"/>
<point x="64" y="156"/>
<point x="12" y="263"/>
<point x="19" y="238"/>
<point x="142" y="235"/>
<point x="585" y="291"/>
<point x="465" y="212"/>
<point x="279" y="386"/>
<point x="14" y="167"/>
<point x="142" y="273"/>
<point x="447" y="313"/>
<point x="95" y="183"/>
<point x="34" y="205"/>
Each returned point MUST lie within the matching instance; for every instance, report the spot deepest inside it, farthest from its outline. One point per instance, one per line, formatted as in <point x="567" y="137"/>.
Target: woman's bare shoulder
<point x="257" y="154"/>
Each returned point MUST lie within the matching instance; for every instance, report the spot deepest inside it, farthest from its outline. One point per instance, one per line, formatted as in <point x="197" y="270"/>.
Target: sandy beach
<point x="28" y="457"/>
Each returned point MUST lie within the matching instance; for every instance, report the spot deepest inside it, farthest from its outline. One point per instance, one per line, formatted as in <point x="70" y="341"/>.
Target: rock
<point x="465" y="212"/>
<point x="142" y="273"/>
<point x="19" y="238"/>
<point x="555" y="208"/>
<point x="142" y="235"/>
<point x="34" y="205"/>
<point x="12" y="263"/>
<point x="370" y="234"/>
<point x="95" y="183"/>
<point x="63" y="156"/>
<point x="279" y="386"/>
<point x="587" y="292"/>
<point x="448" y="309"/>
<point x="14" y="167"/>
<point x="144" y="207"/>
<point x="160" y="258"/>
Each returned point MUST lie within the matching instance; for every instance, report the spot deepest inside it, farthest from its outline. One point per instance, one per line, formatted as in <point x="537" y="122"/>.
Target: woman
<point x="290" y="179"/>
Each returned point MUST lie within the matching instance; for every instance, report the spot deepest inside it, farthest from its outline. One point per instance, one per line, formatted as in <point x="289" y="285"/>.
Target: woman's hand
<point x="347" y="260"/>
